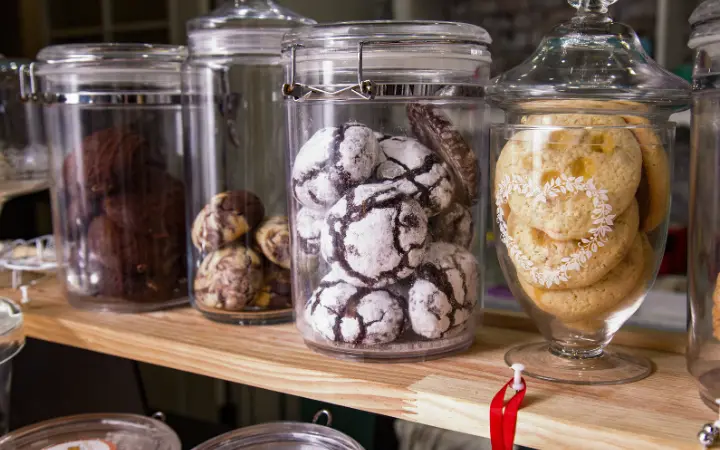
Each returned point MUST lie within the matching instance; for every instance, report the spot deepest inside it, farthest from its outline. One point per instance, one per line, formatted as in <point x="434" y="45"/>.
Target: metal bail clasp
<point x="28" y="85"/>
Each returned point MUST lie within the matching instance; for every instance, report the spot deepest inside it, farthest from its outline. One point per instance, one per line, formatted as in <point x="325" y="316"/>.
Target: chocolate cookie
<point x="309" y="224"/>
<point x="273" y="238"/>
<point x="432" y="128"/>
<point x="455" y="225"/>
<point x="158" y="210"/>
<point x="375" y="235"/>
<point x="444" y="291"/>
<point x="405" y="158"/>
<point x="116" y="248"/>
<point x="332" y="161"/>
<point x="106" y="161"/>
<point x="341" y="312"/>
<point x="227" y="217"/>
<point x="228" y="278"/>
<point x="275" y="290"/>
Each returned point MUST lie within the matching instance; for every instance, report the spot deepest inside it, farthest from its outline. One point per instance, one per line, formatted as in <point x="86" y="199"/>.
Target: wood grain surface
<point x="660" y="412"/>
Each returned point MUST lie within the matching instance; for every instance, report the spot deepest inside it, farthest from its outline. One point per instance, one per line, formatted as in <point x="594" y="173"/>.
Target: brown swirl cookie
<point x="434" y="130"/>
<point x="227" y="217"/>
<point x="275" y="291"/>
<point x="228" y="278"/>
<point x="106" y="161"/>
<point x="273" y="238"/>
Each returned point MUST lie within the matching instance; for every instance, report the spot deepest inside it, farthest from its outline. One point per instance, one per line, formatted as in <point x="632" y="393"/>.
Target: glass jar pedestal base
<point x="400" y="353"/>
<point x="606" y="367"/>
<point x="101" y="303"/>
<point x="268" y="317"/>
<point x="710" y="387"/>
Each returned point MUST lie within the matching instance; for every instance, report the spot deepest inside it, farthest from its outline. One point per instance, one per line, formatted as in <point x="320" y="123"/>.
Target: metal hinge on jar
<point x="365" y="88"/>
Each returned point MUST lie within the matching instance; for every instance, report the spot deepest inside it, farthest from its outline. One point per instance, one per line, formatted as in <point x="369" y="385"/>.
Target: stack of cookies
<point x="244" y="257"/>
<point x="122" y="220"/>
<point x="575" y="203"/>
<point x="390" y="218"/>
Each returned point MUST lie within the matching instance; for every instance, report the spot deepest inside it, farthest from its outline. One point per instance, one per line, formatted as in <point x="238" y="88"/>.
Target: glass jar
<point x="12" y="340"/>
<point x="239" y="250"/>
<point x="94" y="432"/>
<point x="581" y="181"/>
<point x="113" y="116"/>
<point x="703" y="357"/>
<point x="387" y="158"/>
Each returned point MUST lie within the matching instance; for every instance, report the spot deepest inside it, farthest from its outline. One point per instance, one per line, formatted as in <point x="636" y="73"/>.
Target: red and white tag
<point x="503" y="416"/>
<point x="90" y="444"/>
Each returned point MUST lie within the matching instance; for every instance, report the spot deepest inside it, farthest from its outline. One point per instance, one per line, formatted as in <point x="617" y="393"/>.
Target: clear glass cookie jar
<point x="703" y="353"/>
<point x="386" y="124"/>
<point x="581" y="185"/>
<point x="113" y="117"/>
<point x="240" y="246"/>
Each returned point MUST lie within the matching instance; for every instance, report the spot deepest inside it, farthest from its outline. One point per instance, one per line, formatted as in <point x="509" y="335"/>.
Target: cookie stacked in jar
<point x="386" y="170"/>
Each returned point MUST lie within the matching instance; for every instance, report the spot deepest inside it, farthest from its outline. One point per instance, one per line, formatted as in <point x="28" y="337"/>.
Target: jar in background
<point x="113" y="120"/>
<point x="12" y="340"/>
<point x="239" y="248"/>
<point x="387" y="155"/>
<point x="581" y="179"/>
<point x="703" y="353"/>
<point x="96" y="432"/>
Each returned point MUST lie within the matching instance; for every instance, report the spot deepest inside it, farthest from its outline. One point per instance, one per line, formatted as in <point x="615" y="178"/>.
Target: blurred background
<point x="200" y="407"/>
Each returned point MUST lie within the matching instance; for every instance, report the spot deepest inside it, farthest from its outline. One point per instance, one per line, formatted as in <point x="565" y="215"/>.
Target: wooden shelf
<point x="662" y="411"/>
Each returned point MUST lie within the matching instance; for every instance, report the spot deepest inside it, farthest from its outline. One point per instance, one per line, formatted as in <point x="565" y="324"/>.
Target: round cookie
<point x="227" y="217"/>
<point x="572" y="305"/>
<point x="407" y="159"/>
<point x="656" y="172"/>
<point x="444" y="291"/>
<point x="543" y="165"/>
<point x="118" y="249"/>
<point x="583" y="106"/>
<point x="275" y="290"/>
<point x="332" y="161"/>
<point x="375" y="235"/>
<point x="548" y="255"/>
<point x="341" y="312"/>
<point x="434" y="130"/>
<point x="273" y="238"/>
<point x="228" y="278"/>
<point x="454" y="225"/>
<point x="308" y="223"/>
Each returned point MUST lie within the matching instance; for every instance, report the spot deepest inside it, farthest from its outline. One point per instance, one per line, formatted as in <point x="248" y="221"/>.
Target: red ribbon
<point x="502" y="423"/>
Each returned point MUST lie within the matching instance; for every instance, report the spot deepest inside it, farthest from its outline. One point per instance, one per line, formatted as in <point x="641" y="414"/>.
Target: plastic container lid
<point x="590" y="57"/>
<point x="705" y="24"/>
<point x="282" y="436"/>
<point x="12" y="336"/>
<point x="242" y="27"/>
<point x="94" y="432"/>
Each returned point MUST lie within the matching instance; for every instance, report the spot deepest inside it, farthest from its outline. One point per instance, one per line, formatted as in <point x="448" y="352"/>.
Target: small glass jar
<point x="113" y="116"/>
<point x="703" y="353"/>
<point x="581" y="181"/>
<point x="94" y="432"/>
<point x="239" y="248"/>
<point x="387" y="159"/>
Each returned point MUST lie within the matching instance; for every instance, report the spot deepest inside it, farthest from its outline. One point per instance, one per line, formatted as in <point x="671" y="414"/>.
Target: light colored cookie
<point x="545" y="158"/>
<point x="656" y="172"/>
<point x="547" y="254"/>
<point x="573" y="305"/>
<point x="584" y="106"/>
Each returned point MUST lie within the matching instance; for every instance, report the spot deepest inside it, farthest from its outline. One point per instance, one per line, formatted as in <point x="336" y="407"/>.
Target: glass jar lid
<point x="94" y="432"/>
<point x="705" y="23"/>
<point x="242" y="27"/>
<point x="282" y="436"/>
<point x="12" y="336"/>
<point x="591" y="57"/>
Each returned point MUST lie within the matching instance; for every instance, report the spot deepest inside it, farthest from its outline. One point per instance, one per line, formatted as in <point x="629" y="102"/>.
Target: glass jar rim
<point x="278" y="432"/>
<point x="705" y="24"/>
<point x="664" y="126"/>
<point x="111" y="51"/>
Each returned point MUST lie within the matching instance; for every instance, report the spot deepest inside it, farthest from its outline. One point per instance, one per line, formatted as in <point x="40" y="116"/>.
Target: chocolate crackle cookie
<point x="556" y="180"/>
<point x="375" y="235"/>
<point x="341" y="312"/>
<point x="435" y="130"/>
<point x="444" y="291"/>
<point x="227" y="217"/>
<point x="309" y="225"/>
<point x="405" y="158"/>
<point x="454" y="225"/>
<point x="228" y="278"/>
<point x="334" y="160"/>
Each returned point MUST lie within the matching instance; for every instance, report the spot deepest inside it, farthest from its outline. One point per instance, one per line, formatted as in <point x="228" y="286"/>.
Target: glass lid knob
<point x="596" y="6"/>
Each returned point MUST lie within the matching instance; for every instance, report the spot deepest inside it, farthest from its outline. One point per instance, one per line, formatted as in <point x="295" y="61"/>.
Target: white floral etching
<point x="602" y="220"/>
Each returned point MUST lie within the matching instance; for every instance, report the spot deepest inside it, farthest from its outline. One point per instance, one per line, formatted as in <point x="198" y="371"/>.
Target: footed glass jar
<point x="581" y="184"/>
<point x="240" y="244"/>
<point x="113" y="119"/>
<point x="703" y="353"/>
<point x="387" y="158"/>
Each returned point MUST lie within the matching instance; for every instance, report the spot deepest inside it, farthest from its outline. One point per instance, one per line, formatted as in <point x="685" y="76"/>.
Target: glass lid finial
<point x="595" y="6"/>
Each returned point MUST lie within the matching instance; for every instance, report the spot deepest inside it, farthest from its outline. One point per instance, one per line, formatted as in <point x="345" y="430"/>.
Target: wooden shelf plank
<point x="660" y="412"/>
